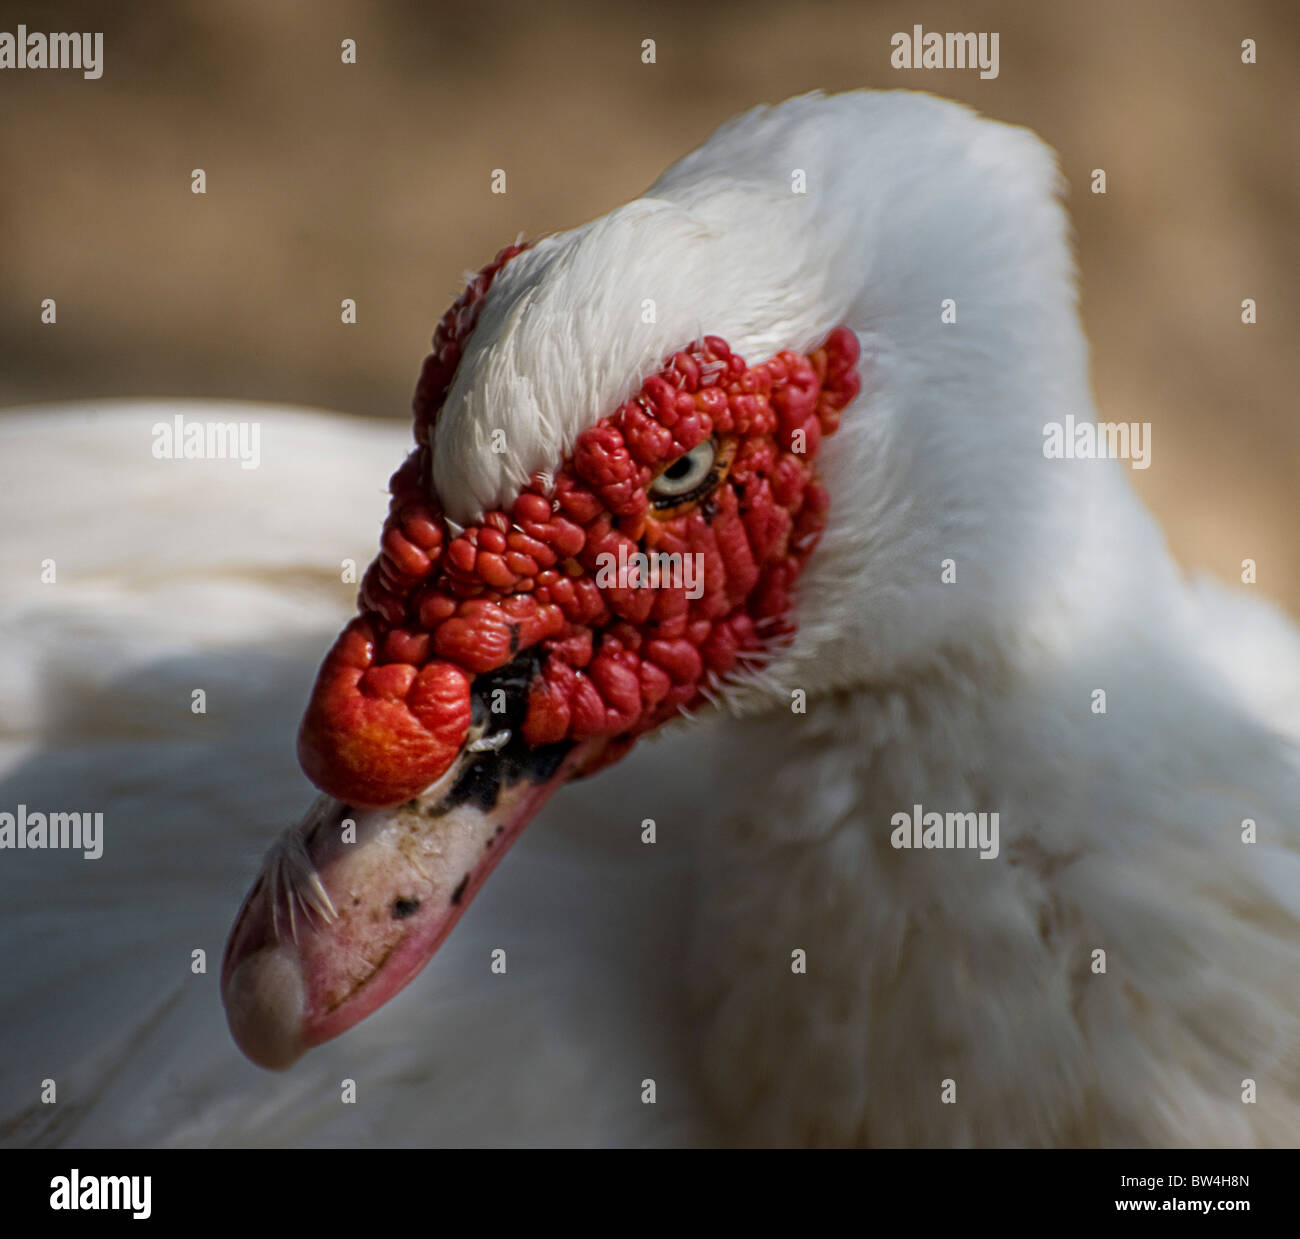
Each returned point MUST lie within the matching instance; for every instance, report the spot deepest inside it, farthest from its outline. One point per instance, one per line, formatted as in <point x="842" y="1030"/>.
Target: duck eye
<point x="685" y="475"/>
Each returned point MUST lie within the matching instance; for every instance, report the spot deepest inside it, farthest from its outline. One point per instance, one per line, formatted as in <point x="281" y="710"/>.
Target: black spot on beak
<point x="402" y="908"/>
<point x="459" y="893"/>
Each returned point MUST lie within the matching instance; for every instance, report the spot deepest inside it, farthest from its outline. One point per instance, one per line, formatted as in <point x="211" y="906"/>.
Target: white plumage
<point x="1120" y="832"/>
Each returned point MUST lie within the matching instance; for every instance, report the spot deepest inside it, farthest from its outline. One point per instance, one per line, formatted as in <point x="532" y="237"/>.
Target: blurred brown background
<point x="371" y="181"/>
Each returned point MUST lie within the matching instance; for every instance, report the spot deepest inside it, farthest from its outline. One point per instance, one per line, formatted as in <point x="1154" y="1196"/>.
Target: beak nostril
<point x="489" y="744"/>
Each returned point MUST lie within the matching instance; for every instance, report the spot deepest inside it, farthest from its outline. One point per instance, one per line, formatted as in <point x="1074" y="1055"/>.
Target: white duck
<point x="947" y="999"/>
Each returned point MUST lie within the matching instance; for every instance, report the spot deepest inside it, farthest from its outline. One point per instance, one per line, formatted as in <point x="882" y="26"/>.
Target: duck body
<point x="981" y="630"/>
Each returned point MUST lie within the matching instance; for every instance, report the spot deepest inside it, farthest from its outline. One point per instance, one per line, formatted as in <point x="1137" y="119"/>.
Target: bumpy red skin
<point x="391" y="706"/>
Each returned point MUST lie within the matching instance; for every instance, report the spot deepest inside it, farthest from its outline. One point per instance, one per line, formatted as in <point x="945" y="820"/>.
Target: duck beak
<point x="352" y="903"/>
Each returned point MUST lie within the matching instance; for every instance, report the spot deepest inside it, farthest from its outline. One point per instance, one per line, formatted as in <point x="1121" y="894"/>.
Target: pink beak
<point x="351" y="904"/>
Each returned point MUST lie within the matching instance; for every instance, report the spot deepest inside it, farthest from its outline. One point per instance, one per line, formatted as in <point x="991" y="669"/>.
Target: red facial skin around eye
<point x="391" y="706"/>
